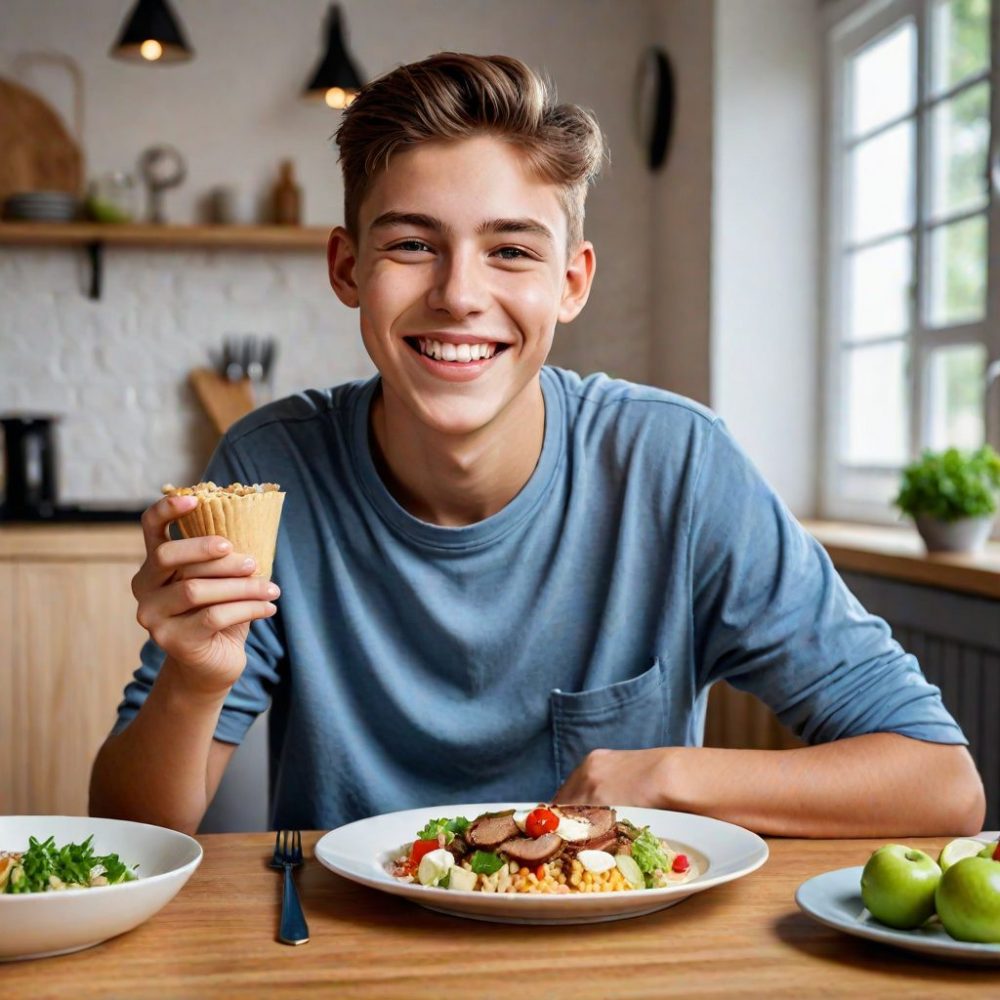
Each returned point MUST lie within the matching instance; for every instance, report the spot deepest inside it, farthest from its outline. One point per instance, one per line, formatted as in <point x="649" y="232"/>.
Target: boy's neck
<point x="455" y="481"/>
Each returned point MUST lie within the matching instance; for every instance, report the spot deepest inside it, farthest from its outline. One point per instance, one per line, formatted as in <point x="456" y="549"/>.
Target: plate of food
<point x="947" y="908"/>
<point x="541" y="863"/>
<point x="70" y="882"/>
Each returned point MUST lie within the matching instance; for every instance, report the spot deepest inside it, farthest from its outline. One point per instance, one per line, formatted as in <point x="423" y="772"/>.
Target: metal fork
<point x="288" y="855"/>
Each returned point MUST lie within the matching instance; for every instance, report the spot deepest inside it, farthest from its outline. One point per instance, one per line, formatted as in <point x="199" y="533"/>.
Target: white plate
<point x="834" y="899"/>
<point x="360" y="851"/>
<point x="39" y="924"/>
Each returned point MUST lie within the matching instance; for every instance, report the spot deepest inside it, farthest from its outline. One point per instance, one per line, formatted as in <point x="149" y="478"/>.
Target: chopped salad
<point x="551" y="848"/>
<point x="43" y="867"/>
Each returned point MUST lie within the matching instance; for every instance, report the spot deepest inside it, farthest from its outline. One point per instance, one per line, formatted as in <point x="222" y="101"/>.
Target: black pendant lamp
<point x="152" y="34"/>
<point x="336" y="79"/>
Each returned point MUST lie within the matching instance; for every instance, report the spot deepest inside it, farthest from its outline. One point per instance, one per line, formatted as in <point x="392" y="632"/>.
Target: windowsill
<point x="898" y="553"/>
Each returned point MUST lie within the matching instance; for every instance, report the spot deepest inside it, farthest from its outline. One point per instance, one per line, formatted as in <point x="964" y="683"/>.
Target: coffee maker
<point x="30" y="489"/>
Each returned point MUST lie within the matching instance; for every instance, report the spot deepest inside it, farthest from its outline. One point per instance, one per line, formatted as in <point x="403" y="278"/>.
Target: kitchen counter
<point x="76" y="542"/>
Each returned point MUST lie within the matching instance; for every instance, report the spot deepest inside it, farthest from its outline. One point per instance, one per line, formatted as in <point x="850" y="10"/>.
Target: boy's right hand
<point x="196" y="599"/>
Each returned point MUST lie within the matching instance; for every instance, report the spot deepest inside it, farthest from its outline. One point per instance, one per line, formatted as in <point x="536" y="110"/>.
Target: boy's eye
<point x="511" y="253"/>
<point x="410" y="246"/>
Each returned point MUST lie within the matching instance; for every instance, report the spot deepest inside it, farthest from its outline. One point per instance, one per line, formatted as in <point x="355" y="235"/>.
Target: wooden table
<point x="747" y="938"/>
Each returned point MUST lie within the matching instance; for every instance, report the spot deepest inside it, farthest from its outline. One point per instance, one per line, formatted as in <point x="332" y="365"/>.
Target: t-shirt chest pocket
<point x="627" y="715"/>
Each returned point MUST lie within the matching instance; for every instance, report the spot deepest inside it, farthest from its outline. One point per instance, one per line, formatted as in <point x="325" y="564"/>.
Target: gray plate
<point x="834" y="899"/>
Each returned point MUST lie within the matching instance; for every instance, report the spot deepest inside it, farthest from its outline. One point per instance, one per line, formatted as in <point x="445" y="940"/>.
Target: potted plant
<point x="952" y="497"/>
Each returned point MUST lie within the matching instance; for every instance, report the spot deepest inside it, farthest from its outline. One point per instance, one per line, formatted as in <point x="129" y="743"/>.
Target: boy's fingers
<point x="190" y="631"/>
<point x="167" y="558"/>
<point x="217" y="617"/>
<point x="173" y="555"/>
<point x="187" y="595"/>
<point x="235" y="564"/>
<point x="157" y="516"/>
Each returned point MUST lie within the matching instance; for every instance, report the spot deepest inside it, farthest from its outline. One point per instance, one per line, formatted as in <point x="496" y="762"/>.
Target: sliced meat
<point x="607" y="842"/>
<point x="491" y="830"/>
<point x="601" y="818"/>
<point x="533" y="852"/>
<point x="458" y="847"/>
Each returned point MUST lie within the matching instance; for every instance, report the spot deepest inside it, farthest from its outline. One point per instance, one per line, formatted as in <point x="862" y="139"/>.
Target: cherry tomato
<point x="419" y="849"/>
<point x="681" y="864"/>
<point x="540" y="821"/>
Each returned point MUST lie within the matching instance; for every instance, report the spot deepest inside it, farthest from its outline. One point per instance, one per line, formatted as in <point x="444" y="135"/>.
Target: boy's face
<point x="461" y="273"/>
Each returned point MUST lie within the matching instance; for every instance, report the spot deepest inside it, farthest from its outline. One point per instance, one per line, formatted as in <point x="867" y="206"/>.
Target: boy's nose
<point x="459" y="287"/>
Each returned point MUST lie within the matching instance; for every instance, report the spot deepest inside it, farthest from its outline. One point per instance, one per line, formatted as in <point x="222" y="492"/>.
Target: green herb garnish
<point x="72" y="864"/>
<point x="486" y="862"/>
<point x="449" y="827"/>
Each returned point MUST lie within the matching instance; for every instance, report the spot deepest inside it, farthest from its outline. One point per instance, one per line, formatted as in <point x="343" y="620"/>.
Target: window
<point x="913" y="251"/>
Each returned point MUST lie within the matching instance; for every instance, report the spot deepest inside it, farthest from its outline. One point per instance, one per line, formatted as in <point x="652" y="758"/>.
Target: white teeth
<point x="460" y="353"/>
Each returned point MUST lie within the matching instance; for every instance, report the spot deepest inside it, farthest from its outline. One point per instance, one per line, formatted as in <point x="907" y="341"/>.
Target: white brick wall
<point x="117" y="370"/>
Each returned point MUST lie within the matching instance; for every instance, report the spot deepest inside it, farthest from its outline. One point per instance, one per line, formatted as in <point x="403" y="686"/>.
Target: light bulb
<point x="151" y="49"/>
<point x="336" y="97"/>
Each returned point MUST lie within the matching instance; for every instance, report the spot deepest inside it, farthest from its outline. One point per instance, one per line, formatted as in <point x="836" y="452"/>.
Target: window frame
<point x="851" y="26"/>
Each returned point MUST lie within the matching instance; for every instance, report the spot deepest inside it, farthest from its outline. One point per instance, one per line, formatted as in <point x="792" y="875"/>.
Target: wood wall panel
<point x="79" y="645"/>
<point x="738" y="720"/>
<point x="10" y="756"/>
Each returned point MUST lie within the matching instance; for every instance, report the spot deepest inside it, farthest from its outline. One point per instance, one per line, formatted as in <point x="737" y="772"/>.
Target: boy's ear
<point x="580" y="269"/>
<point x="342" y="259"/>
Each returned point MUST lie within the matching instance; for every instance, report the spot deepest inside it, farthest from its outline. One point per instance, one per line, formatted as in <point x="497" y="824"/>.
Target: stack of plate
<point x="41" y="206"/>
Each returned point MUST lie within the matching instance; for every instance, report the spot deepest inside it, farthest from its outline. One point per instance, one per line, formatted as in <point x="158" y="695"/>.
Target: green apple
<point x="963" y="847"/>
<point x="968" y="900"/>
<point x="991" y="851"/>
<point x="898" y="886"/>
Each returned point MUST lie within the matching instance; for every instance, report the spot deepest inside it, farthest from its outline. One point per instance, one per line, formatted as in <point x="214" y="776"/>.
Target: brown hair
<point x="454" y="96"/>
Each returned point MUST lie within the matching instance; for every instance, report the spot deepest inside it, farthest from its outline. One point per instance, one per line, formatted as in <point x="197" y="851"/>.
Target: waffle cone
<point x="246" y="515"/>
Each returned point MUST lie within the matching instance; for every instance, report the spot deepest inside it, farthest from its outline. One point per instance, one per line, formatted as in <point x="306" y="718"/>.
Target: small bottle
<point x="287" y="196"/>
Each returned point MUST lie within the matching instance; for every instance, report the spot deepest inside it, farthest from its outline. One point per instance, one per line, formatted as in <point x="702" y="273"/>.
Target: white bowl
<point x="36" y="925"/>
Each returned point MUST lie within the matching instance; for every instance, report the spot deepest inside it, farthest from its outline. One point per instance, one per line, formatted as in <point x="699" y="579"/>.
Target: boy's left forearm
<point x="878" y="785"/>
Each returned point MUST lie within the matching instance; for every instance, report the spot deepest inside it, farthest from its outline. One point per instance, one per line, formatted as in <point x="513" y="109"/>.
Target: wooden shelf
<point x="899" y="554"/>
<point x="141" y="235"/>
<point x="95" y="236"/>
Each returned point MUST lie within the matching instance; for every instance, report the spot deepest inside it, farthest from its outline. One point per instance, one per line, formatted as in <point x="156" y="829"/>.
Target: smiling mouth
<point x="458" y="354"/>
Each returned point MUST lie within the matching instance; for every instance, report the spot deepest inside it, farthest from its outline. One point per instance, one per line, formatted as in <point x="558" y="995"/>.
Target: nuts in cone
<point x="247" y="515"/>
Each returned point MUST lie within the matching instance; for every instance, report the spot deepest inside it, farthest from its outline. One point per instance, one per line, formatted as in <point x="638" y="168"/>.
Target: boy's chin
<point x="460" y="419"/>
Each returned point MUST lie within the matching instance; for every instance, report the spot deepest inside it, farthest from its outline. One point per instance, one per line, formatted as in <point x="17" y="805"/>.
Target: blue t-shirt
<point x="411" y="664"/>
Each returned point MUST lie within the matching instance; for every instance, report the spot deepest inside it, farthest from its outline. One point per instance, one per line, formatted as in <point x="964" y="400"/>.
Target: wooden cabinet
<point x="69" y="642"/>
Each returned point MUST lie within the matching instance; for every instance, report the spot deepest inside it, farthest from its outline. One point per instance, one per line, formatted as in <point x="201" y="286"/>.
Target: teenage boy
<point x="500" y="581"/>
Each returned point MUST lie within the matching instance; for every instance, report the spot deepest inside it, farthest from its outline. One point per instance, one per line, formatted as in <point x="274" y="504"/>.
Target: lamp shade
<point x="336" y="79"/>
<point x="152" y="34"/>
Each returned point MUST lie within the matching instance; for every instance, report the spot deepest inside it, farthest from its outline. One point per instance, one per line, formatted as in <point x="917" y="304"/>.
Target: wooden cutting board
<point x="224" y="401"/>
<point x="37" y="153"/>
